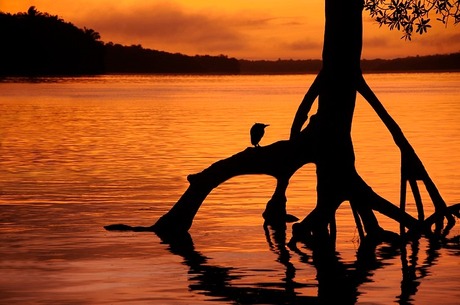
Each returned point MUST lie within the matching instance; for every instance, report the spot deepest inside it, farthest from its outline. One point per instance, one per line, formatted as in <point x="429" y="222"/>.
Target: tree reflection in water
<point x="336" y="280"/>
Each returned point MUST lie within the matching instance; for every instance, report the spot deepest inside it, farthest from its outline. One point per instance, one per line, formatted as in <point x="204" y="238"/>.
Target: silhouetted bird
<point x="257" y="132"/>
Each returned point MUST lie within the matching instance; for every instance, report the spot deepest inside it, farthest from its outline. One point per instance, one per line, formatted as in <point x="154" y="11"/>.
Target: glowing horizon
<point x="241" y="29"/>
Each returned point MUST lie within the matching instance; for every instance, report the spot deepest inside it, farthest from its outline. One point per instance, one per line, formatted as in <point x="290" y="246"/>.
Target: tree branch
<point x="412" y="168"/>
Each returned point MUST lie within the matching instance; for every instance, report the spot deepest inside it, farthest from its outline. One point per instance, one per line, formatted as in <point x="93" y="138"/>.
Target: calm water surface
<point x="80" y="153"/>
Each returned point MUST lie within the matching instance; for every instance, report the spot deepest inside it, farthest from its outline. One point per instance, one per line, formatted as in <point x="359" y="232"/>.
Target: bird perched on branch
<point x="257" y="132"/>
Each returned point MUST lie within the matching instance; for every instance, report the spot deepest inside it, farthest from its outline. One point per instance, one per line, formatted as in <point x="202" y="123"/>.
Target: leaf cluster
<point x="407" y="15"/>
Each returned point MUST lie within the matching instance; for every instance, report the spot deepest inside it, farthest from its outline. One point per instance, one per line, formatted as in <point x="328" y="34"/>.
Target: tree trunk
<point x="337" y="177"/>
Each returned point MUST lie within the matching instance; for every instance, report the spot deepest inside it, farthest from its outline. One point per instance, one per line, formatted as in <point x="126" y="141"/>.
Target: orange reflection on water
<point x="84" y="153"/>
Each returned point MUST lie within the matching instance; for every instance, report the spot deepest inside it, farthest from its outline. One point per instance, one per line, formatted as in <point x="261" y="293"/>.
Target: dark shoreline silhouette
<point x="416" y="64"/>
<point x="40" y="44"/>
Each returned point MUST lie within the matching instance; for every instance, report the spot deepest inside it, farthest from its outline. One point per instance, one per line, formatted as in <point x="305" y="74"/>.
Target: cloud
<point x="304" y="45"/>
<point x="170" y="27"/>
<point x="453" y="38"/>
<point x="168" y="24"/>
<point x="376" y="42"/>
<point x="438" y="43"/>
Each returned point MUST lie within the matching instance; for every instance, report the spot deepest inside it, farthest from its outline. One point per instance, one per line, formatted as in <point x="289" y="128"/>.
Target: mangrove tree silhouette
<point x="326" y="142"/>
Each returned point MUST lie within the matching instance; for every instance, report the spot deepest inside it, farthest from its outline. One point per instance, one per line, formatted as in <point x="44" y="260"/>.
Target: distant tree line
<point x="448" y="62"/>
<point x="35" y="43"/>
<point x="135" y="59"/>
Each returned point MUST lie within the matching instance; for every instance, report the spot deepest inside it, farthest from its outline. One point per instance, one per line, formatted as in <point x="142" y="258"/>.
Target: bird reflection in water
<point x="336" y="280"/>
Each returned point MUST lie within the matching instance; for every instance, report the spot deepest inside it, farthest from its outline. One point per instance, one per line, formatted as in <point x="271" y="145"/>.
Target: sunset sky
<point x="244" y="29"/>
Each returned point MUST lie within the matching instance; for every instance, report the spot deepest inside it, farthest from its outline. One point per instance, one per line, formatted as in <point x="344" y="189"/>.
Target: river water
<point x="80" y="153"/>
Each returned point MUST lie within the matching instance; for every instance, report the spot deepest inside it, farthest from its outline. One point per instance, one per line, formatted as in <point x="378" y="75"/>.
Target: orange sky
<point x="257" y="29"/>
